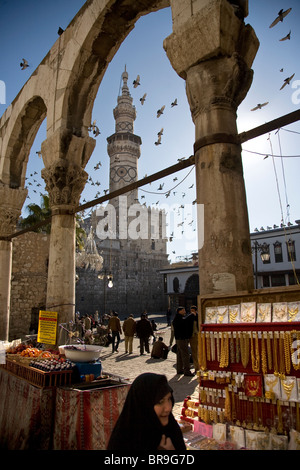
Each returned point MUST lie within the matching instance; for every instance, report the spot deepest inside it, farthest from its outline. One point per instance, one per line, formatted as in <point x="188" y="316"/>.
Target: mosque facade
<point x="128" y="235"/>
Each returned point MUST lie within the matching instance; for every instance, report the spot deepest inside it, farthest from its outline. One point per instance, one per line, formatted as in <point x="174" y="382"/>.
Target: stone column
<point x="11" y="203"/>
<point x="213" y="50"/>
<point x="65" y="180"/>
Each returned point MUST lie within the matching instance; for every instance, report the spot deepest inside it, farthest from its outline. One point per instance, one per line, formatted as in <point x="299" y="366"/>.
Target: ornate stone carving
<point x="220" y="82"/>
<point x="64" y="182"/>
<point x="11" y="204"/>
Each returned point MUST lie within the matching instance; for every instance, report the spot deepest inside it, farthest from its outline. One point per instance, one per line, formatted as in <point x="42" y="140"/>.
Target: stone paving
<point x="129" y="366"/>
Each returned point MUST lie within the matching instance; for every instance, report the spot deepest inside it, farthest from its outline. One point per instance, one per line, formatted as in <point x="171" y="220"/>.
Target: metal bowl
<point x="82" y="352"/>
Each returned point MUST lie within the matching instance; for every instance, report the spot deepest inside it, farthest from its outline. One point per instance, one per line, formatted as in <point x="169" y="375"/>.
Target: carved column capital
<point x="222" y="82"/>
<point x="64" y="183"/>
<point x="11" y="203"/>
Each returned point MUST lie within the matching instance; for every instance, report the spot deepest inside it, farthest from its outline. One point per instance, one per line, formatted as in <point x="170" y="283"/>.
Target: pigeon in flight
<point x="160" y="111"/>
<point x="281" y="15"/>
<point x="288" y="36"/>
<point x="158" y="142"/>
<point x="174" y="103"/>
<point x="287" y="81"/>
<point x="259" y="106"/>
<point x="160" y="133"/>
<point x="24" y="64"/>
<point x="143" y="99"/>
<point x="94" y="129"/>
<point x="136" y="82"/>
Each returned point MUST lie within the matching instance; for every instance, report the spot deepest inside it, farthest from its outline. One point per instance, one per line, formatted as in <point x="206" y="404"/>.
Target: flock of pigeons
<point x="159" y="112"/>
<point x="280" y="17"/>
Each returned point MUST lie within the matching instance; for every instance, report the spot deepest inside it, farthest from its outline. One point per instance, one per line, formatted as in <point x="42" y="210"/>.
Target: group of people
<point x="143" y="329"/>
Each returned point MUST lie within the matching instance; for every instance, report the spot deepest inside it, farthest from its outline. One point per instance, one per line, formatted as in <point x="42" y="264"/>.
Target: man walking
<point x="114" y="325"/>
<point x="129" y="329"/>
<point x="182" y="331"/>
<point x="144" y="331"/>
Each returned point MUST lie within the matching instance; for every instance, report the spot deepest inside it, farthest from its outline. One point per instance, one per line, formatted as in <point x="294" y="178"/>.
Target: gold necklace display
<point x="255" y="353"/>
<point x="202" y="351"/>
<point x="224" y="356"/>
<point x="275" y="355"/>
<point x="295" y="355"/>
<point x="271" y="383"/>
<point x="288" y="387"/>
<point x="269" y="351"/>
<point x="264" y="368"/>
<point x="281" y="356"/>
<point x="292" y="312"/>
<point x="287" y="351"/>
<point x="244" y="348"/>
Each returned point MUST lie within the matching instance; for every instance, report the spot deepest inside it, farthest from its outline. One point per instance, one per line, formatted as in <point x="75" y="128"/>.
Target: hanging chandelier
<point x="89" y="258"/>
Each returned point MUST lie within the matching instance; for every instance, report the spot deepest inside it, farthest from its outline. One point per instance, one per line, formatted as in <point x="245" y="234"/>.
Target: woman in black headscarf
<point x="146" y="423"/>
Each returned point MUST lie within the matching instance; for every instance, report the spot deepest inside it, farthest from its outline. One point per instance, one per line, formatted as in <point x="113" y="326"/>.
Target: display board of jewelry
<point x="249" y="378"/>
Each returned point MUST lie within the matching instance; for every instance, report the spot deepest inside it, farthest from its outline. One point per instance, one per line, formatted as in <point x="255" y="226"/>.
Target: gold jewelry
<point x="244" y="348"/>
<point x="288" y="387"/>
<point x="275" y="355"/>
<point x="269" y="351"/>
<point x="287" y="351"/>
<point x="255" y="355"/>
<point x="271" y="383"/>
<point x="263" y="355"/>
<point x="202" y="351"/>
<point x="281" y="356"/>
<point x="207" y="340"/>
<point x="295" y="355"/>
<point x="292" y="312"/>
<point x="224" y="357"/>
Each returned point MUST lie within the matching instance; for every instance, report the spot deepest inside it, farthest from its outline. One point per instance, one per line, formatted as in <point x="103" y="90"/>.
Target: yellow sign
<point x="47" y="327"/>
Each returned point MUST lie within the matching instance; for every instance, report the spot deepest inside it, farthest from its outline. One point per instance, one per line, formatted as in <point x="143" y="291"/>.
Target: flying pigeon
<point x="259" y="106"/>
<point x="143" y="99"/>
<point x="160" y="133"/>
<point x="24" y="64"/>
<point x="160" y="111"/>
<point x="158" y="142"/>
<point x="136" y="82"/>
<point x="174" y="103"/>
<point x="281" y="14"/>
<point x="288" y="36"/>
<point x="95" y="129"/>
<point x="287" y="81"/>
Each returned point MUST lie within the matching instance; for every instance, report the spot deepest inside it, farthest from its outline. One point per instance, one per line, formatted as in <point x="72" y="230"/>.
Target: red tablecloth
<point x="85" y="419"/>
<point x="56" y="418"/>
<point x="25" y="414"/>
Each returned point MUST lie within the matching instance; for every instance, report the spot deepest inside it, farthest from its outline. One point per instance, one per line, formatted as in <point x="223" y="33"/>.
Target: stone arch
<point x="106" y="33"/>
<point x="192" y="285"/>
<point x="22" y="136"/>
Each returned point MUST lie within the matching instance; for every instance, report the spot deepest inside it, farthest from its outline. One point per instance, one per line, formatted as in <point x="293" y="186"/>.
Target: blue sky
<point x="28" y="29"/>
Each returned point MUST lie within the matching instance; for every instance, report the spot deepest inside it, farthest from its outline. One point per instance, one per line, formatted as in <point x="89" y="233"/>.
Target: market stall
<point x="249" y="378"/>
<point x="51" y="401"/>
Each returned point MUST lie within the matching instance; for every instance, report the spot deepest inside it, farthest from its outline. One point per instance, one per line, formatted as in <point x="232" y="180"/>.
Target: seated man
<point x="160" y="349"/>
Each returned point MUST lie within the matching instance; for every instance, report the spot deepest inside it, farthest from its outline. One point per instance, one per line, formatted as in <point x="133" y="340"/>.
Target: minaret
<point x="123" y="146"/>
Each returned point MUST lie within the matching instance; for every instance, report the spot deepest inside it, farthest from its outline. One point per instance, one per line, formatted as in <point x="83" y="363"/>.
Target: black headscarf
<point x="138" y="428"/>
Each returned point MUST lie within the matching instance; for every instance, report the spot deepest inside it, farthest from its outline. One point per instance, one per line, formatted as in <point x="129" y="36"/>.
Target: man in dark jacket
<point x="183" y="326"/>
<point x="144" y="331"/>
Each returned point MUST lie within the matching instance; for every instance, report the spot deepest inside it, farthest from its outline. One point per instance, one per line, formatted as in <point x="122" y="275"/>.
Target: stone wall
<point x="29" y="282"/>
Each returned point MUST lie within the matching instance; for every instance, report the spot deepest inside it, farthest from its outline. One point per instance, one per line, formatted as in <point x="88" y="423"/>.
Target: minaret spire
<point x="124" y="146"/>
